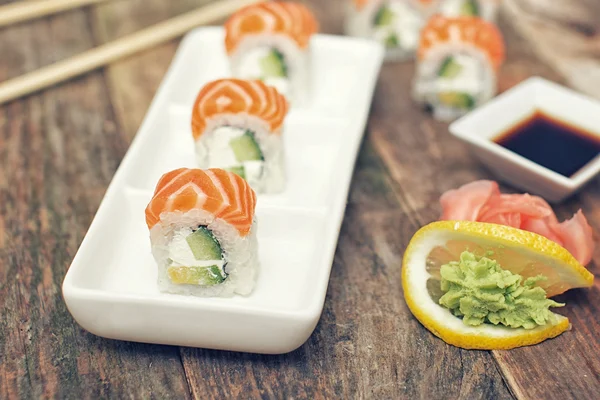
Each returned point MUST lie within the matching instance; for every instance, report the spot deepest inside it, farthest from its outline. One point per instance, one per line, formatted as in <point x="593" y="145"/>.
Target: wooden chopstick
<point x="107" y="53"/>
<point x="25" y="10"/>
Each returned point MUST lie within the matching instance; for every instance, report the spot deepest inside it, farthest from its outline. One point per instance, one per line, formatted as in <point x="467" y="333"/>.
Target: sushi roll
<point x="237" y="125"/>
<point x="486" y="9"/>
<point x="394" y="23"/>
<point x="270" y="41"/>
<point x="203" y="233"/>
<point x="457" y="65"/>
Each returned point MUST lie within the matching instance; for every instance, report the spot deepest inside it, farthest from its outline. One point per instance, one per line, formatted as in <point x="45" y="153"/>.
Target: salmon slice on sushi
<point x="394" y="23"/>
<point x="270" y="41"/>
<point x="203" y="233"/>
<point x="238" y="125"/>
<point x="457" y="65"/>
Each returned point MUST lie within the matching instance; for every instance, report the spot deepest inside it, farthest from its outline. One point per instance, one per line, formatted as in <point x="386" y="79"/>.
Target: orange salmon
<point x="234" y="96"/>
<point x="361" y="3"/>
<point x="220" y="193"/>
<point x="463" y="30"/>
<point x="275" y="17"/>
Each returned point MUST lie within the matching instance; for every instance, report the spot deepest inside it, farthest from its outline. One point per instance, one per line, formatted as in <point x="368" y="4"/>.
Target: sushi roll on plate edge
<point x="457" y="65"/>
<point x="203" y="233"/>
<point x="270" y="41"/>
<point x="238" y="125"/>
<point x="394" y="23"/>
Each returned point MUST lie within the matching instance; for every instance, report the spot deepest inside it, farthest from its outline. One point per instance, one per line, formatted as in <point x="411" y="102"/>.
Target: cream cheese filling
<point x="181" y="253"/>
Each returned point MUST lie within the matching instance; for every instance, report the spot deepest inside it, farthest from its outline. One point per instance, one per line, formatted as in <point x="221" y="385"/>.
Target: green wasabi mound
<point x="480" y="291"/>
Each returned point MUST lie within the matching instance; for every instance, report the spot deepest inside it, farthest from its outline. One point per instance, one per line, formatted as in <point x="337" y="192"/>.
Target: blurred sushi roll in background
<point x="394" y="23"/>
<point x="485" y="9"/>
<point x="203" y="233"/>
<point x="271" y="41"/>
<point x="457" y="65"/>
<point x="238" y="125"/>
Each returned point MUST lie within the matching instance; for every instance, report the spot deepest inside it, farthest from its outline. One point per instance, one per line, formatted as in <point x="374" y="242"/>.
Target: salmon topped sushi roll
<point x="486" y="9"/>
<point x="394" y="23"/>
<point x="457" y="65"/>
<point x="270" y="41"/>
<point x="203" y="233"/>
<point x="238" y="126"/>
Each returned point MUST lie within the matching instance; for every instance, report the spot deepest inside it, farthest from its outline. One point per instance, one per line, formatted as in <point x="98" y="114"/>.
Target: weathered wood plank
<point x="132" y="82"/>
<point x="563" y="33"/>
<point x="58" y="152"/>
<point x="425" y="160"/>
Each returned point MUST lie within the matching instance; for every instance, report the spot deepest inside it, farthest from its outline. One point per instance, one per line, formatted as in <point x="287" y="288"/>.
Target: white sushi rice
<point x="477" y="78"/>
<point x="245" y="64"/>
<point x="407" y="24"/>
<point x="453" y="8"/>
<point x="240" y="253"/>
<point x="213" y="150"/>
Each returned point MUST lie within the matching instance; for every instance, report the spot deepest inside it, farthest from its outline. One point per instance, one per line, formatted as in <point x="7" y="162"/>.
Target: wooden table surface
<point x="60" y="148"/>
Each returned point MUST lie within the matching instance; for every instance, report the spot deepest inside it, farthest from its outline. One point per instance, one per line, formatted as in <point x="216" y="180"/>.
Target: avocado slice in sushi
<point x="470" y="7"/>
<point x="273" y="65"/>
<point x="458" y="100"/>
<point x="245" y="148"/>
<point x="384" y="17"/>
<point x="204" y="246"/>
<point x="450" y="68"/>
<point x="203" y="276"/>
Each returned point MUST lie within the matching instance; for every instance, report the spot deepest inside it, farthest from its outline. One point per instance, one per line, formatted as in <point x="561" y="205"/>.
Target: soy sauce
<point x="552" y="143"/>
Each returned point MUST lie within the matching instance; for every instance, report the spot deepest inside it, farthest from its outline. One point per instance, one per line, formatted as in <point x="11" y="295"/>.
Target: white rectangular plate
<point x="110" y="288"/>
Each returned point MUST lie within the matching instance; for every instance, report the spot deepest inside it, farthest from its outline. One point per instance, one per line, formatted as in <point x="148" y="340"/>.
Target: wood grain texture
<point x="59" y="150"/>
<point x="133" y="82"/>
<point x="563" y="33"/>
<point x="24" y="11"/>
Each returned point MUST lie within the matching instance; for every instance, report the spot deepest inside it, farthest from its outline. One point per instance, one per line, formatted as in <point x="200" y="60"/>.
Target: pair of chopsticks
<point x="107" y="53"/>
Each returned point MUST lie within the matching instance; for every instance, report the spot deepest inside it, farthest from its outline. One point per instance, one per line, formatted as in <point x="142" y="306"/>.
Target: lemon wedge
<point x="521" y="252"/>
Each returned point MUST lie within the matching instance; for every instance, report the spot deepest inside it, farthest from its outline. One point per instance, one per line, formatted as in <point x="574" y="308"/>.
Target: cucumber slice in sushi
<point x="203" y="276"/>
<point x="239" y="170"/>
<point x="470" y="7"/>
<point x="458" y="100"/>
<point x="449" y="68"/>
<point x="204" y="246"/>
<point x="245" y="148"/>
<point x="273" y="65"/>
<point x="384" y="17"/>
<point x="392" y="41"/>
